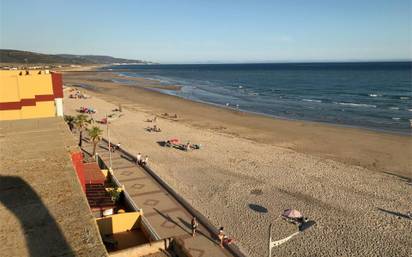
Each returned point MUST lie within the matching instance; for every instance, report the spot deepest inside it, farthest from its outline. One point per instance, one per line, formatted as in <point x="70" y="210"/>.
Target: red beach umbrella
<point x="174" y="140"/>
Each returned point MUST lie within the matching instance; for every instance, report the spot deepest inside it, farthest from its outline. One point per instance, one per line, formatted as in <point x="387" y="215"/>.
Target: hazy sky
<point x="212" y="31"/>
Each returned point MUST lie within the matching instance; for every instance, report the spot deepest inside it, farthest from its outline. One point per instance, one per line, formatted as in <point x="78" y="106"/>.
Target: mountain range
<point x="17" y="56"/>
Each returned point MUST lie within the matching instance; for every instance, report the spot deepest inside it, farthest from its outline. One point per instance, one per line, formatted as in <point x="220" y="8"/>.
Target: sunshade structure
<point x="174" y="141"/>
<point x="291" y="213"/>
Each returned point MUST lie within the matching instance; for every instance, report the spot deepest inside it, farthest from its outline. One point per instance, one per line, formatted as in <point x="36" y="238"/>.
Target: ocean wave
<point x="357" y="105"/>
<point x="394" y="108"/>
<point x="312" y="100"/>
<point x="374" y="95"/>
<point x="404" y="97"/>
<point x="396" y="118"/>
<point x="410" y="110"/>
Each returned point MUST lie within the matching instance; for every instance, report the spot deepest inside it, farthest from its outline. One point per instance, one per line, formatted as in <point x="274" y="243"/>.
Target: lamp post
<point x="108" y="138"/>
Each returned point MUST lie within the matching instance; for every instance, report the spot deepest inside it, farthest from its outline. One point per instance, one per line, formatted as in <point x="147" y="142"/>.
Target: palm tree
<point x="70" y="120"/>
<point x="81" y="123"/>
<point x="95" y="134"/>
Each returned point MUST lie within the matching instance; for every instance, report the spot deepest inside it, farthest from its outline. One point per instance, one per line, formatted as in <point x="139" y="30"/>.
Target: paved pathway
<point x="165" y="214"/>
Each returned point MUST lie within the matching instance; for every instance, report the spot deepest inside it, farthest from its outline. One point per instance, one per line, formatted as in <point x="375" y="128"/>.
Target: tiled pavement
<point x="165" y="214"/>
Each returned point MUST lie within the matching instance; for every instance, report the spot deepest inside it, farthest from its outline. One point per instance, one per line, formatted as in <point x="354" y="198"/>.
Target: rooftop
<point x="43" y="210"/>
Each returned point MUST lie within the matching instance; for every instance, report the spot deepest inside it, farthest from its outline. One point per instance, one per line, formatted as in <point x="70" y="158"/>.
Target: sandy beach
<point x="355" y="183"/>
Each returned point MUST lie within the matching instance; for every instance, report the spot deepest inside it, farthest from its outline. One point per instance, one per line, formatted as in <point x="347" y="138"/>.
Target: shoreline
<point x="163" y="89"/>
<point x="377" y="130"/>
<point x="210" y="116"/>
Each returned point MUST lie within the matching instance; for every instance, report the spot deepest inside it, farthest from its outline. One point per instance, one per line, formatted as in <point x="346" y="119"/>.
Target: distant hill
<point x="17" y="56"/>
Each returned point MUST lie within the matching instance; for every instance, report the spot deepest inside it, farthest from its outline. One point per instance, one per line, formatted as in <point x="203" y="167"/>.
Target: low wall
<point x="145" y="249"/>
<point x="77" y="160"/>
<point x="119" y="223"/>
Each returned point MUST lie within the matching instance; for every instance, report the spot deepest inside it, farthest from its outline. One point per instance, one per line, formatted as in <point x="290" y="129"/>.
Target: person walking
<point x="194" y="226"/>
<point x="221" y="236"/>
<point x="138" y="158"/>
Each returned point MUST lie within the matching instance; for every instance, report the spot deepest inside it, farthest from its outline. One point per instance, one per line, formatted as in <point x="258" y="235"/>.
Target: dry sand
<point x="356" y="184"/>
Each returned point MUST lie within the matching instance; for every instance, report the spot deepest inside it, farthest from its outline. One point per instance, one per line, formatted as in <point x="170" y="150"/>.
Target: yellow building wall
<point x="9" y="91"/>
<point x="118" y="223"/>
<point x="15" y="87"/>
<point x="41" y="110"/>
<point x="10" y="115"/>
<point x="31" y="85"/>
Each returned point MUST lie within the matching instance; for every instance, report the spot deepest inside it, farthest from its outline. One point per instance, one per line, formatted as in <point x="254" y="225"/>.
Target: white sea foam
<point x="410" y="110"/>
<point x="312" y="100"/>
<point x="394" y="108"/>
<point x="358" y="105"/>
<point x="404" y="97"/>
<point x="374" y="95"/>
<point x="396" y="118"/>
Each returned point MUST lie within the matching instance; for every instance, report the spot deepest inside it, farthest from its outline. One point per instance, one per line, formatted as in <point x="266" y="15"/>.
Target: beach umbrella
<point x="174" y="140"/>
<point x="291" y="213"/>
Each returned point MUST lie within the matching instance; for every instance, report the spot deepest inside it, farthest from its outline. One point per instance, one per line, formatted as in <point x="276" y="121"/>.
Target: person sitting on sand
<point x="227" y="240"/>
<point x="145" y="160"/>
<point x="156" y="129"/>
<point x="115" y="147"/>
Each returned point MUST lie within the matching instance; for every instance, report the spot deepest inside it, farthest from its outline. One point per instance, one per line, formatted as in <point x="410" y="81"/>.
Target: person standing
<point x="221" y="236"/>
<point x="138" y="158"/>
<point x="194" y="226"/>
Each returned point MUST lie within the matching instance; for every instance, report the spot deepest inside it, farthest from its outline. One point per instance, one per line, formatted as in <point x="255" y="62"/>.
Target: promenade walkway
<point x="166" y="215"/>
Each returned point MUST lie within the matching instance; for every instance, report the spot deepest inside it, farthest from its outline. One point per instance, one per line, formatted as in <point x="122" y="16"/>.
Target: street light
<point x="108" y="138"/>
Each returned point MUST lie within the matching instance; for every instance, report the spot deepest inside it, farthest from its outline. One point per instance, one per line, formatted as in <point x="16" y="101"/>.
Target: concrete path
<point x="165" y="214"/>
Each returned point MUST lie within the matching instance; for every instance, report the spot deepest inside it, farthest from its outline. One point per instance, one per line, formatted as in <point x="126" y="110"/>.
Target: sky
<point x="212" y="31"/>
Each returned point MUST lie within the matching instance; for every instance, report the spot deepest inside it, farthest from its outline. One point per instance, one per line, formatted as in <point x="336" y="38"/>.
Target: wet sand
<point x="352" y="181"/>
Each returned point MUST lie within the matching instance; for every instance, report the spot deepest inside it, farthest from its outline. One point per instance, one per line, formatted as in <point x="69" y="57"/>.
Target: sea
<point x="371" y="95"/>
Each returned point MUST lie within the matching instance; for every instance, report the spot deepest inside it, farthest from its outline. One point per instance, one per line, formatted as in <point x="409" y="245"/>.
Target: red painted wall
<point x="77" y="160"/>
<point x="57" y="81"/>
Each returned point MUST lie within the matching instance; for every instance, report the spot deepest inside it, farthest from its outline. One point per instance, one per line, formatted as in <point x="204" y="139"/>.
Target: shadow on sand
<point x="42" y="234"/>
<point x="407" y="180"/>
<point x="398" y="214"/>
<point x="258" y="208"/>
